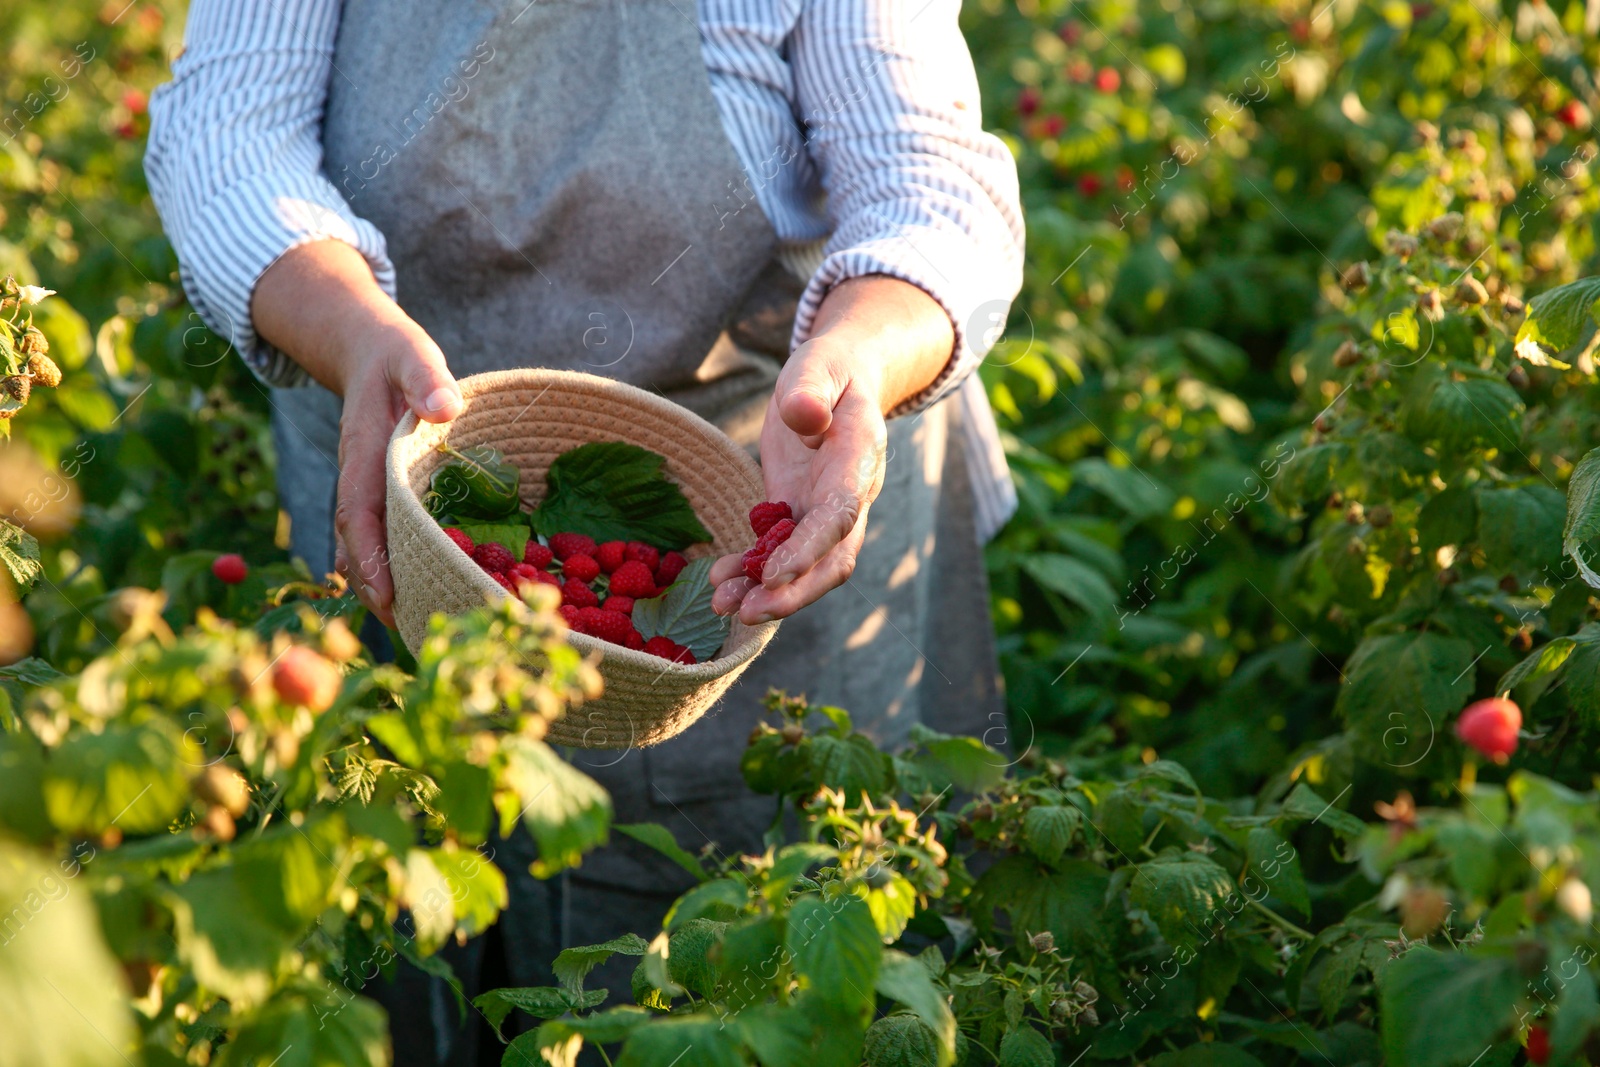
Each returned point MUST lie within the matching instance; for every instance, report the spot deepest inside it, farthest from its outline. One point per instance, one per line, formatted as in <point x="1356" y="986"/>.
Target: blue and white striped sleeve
<point x="235" y="160"/>
<point x="916" y="189"/>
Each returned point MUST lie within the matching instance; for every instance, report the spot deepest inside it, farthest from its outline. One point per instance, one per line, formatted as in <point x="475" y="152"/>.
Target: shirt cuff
<point x="974" y="288"/>
<point x="245" y="230"/>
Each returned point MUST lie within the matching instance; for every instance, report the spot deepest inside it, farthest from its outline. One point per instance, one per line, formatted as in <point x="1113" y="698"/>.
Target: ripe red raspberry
<point x="1573" y="114"/>
<point x="463" y="542"/>
<point x="493" y="557"/>
<point x="672" y="565"/>
<point x="611" y="555"/>
<point x="624" y="604"/>
<point x="505" y="581"/>
<point x="1491" y="726"/>
<point x="649" y="555"/>
<point x="578" y="594"/>
<point x="537" y="555"/>
<point x="1538" y="1046"/>
<point x="301" y="676"/>
<point x="570" y="544"/>
<point x="633" y="579"/>
<point x="570" y="614"/>
<point x="1090" y="185"/>
<point x="581" y="567"/>
<point x="765" y="515"/>
<point x="1108" y="80"/>
<point x="635" y="641"/>
<point x="526" y="574"/>
<point x="610" y="626"/>
<point x="756" y="556"/>
<point x="230" y="569"/>
<point x="667" y="648"/>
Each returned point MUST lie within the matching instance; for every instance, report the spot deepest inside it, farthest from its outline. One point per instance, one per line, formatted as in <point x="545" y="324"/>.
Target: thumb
<point x="419" y="373"/>
<point x="809" y="389"/>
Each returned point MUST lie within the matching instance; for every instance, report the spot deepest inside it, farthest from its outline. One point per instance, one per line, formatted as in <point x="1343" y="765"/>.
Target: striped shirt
<point x="856" y="122"/>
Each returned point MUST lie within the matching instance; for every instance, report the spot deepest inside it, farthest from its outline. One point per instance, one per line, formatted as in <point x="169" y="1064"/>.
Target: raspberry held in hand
<point x="672" y="565"/>
<point x="765" y="515"/>
<point x="611" y="555"/>
<point x="633" y="579"/>
<point x="1491" y="726"/>
<point x="230" y="569"/>
<point x="462" y="541"/>
<point x="584" y="568"/>
<point x="492" y="557"/>
<point x="537" y="555"/>
<point x="756" y="556"/>
<point x="578" y="594"/>
<point x="571" y="544"/>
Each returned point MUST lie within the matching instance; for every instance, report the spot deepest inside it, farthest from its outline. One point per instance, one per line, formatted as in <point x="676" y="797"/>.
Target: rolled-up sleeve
<point x="916" y="189"/>
<point x="235" y="160"/>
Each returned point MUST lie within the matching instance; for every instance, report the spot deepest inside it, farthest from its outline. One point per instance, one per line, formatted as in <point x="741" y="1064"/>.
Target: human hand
<point x="822" y="451"/>
<point x="320" y="303"/>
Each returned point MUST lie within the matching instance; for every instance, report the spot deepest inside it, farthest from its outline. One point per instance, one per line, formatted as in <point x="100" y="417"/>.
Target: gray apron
<point x="551" y="180"/>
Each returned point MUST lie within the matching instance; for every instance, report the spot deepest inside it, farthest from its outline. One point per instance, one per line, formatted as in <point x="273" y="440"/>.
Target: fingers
<point x="809" y="389"/>
<point x="763" y="603"/>
<point x="418" y="373"/>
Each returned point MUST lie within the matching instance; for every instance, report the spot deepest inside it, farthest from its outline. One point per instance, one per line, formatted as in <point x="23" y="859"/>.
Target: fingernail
<point x="785" y="578"/>
<point x="440" y="400"/>
<point x="762" y="619"/>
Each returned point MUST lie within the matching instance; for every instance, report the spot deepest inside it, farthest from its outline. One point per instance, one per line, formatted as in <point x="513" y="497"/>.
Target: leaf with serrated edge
<point x="683" y="613"/>
<point x="613" y="491"/>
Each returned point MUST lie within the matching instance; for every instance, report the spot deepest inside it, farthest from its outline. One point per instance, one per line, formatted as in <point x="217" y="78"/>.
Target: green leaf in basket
<point x="612" y="491"/>
<point x="514" y="537"/>
<point x="476" y="485"/>
<point x="684" y="613"/>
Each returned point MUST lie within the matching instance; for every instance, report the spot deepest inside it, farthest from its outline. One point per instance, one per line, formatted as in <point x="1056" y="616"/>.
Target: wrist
<point x="890" y="337"/>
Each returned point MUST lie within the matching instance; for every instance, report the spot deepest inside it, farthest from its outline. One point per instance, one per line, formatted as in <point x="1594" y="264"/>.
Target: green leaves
<point x="1460" y="406"/>
<point x="1561" y="316"/>
<point x="907" y="981"/>
<point x="660" y="838"/>
<point x="60" y="991"/>
<point x="566" y="811"/>
<point x="1080" y="583"/>
<point x="133" y="777"/>
<point x="19" y="552"/>
<point x="836" y="949"/>
<point x="574" y="964"/>
<point x="1583" y="514"/>
<point x="1424" y="987"/>
<point x="514" y="536"/>
<point x="962" y="763"/>
<point x="311" y="1026"/>
<point x="684" y="613"/>
<point x="1401" y="689"/>
<point x="613" y="491"/>
<point x="476" y="485"/>
<point x="1520" y="528"/>
<point x="1187" y="894"/>
<point x="1048" y="828"/>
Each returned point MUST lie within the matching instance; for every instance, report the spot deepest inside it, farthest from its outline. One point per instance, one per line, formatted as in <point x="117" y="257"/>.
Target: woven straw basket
<point x="533" y="416"/>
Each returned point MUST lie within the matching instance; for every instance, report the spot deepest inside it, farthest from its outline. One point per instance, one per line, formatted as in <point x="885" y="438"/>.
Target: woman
<point x="783" y="214"/>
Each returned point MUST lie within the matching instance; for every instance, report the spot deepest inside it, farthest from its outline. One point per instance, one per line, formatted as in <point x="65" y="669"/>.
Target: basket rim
<point x="494" y="381"/>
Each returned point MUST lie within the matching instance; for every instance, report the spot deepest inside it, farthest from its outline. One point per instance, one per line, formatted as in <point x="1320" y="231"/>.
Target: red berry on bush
<point x="537" y="555"/>
<point x="584" y="568"/>
<point x="1090" y="185"/>
<point x="1028" y="101"/>
<point x="611" y="555"/>
<point x="301" y="676"/>
<point x="640" y="552"/>
<point x="634" y="579"/>
<point x="623" y="604"/>
<point x="1107" y="80"/>
<point x="571" y="544"/>
<point x="578" y="594"/>
<point x="1053" y="125"/>
<point x="1071" y="31"/>
<point x="672" y="565"/>
<point x="1573" y="115"/>
<point x="1538" y="1045"/>
<point x="493" y="557"/>
<point x="1491" y="726"/>
<point x="765" y="515"/>
<point x="462" y="541"/>
<point x="135" y="101"/>
<point x="230" y="569"/>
